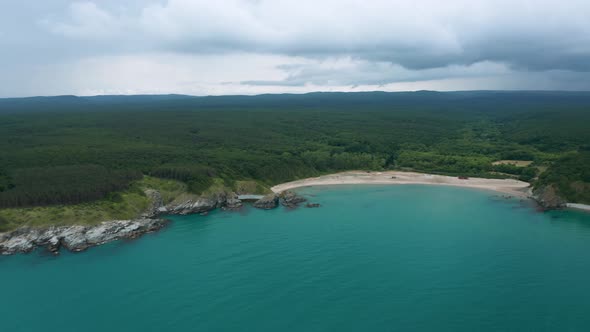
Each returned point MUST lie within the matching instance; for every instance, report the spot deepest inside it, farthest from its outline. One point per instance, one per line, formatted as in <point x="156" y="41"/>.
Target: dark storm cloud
<point x="531" y="35"/>
<point x="341" y="42"/>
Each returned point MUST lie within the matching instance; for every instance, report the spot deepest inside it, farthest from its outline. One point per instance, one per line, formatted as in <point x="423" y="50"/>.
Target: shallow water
<point x="372" y="258"/>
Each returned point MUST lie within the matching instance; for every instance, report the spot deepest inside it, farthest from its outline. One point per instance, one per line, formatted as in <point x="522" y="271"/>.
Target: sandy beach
<point x="506" y="186"/>
<point x="579" y="207"/>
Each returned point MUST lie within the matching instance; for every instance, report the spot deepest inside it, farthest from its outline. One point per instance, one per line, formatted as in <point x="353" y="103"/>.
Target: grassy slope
<point x="125" y="205"/>
<point x="130" y="205"/>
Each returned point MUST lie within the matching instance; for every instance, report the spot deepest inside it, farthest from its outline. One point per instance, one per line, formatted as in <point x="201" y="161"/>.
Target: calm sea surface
<point x="372" y="258"/>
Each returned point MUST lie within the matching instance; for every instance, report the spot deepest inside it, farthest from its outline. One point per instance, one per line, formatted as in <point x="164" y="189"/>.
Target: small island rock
<point x="291" y="200"/>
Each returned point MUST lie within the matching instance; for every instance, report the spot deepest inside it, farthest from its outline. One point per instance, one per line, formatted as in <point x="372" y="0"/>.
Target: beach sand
<point x="506" y="186"/>
<point x="577" y="206"/>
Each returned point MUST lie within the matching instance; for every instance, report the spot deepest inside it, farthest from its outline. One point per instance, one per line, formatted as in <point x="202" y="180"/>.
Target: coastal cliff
<point x="548" y="198"/>
<point x="79" y="238"/>
<point x="75" y="238"/>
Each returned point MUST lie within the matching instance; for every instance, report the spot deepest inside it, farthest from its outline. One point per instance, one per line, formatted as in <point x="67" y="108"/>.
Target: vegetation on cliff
<point x="570" y="176"/>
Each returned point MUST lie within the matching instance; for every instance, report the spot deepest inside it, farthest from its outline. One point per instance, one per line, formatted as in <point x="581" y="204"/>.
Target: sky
<point x="57" y="47"/>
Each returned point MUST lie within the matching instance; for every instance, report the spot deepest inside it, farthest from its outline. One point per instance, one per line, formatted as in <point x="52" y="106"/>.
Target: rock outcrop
<point x="233" y="203"/>
<point x="75" y="238"/>
<point x="291" y="200"/>
<point x="267" y="202"/>
<point x="189" y="207"/>
<point x="198" y="205"/>
<point x="548" y="198"/>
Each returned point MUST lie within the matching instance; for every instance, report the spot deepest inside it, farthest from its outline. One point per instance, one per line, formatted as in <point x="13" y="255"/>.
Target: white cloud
<point x="293" y="45"/>
<point x="86" y="20"/>
<point x="418" y="34"/>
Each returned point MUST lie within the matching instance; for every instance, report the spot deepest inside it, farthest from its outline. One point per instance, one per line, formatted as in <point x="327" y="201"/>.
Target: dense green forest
<point x="63" y="150"/>
<point x="64" y="185"/>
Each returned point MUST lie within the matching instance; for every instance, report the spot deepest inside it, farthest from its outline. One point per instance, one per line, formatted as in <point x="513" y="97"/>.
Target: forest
<point x="68" y="150"/>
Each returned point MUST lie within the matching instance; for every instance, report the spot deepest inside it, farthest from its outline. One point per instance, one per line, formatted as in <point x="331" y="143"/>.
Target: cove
<point x="372" y="258"/>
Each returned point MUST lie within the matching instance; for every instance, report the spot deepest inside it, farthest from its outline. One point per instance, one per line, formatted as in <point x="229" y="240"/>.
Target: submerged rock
<point x="267" y="202"/>
<point x="75" y="238"/>
<point x="291" y="200"/>
<point x="312" y="205"/>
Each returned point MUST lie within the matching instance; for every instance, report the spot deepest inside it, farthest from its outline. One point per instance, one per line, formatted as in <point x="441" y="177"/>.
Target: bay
<point x="372" y="258"/>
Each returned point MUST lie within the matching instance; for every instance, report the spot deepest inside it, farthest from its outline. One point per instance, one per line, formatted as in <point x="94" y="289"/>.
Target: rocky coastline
<point x="75" y="238"/>
<point x="229" y="201"/>
<point x="548" y="198"/>
<point x="79" y="238"/>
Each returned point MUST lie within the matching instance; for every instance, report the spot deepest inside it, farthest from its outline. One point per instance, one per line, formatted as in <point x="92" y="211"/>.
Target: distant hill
<point x="481" y="99"/>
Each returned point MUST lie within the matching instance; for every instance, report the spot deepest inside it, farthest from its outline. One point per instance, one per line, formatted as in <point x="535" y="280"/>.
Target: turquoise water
<point x="372" y="258"/>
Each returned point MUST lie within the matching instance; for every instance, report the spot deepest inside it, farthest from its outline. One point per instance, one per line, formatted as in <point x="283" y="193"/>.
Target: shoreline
<point x="78" y="238"/>
<point x="507" y="186"/>
<point x="75" y="238"/>
<point x="578" y="207"/>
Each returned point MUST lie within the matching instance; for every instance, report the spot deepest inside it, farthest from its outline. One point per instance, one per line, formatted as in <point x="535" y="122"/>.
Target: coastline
<point x="78" y="238"/>
<point x="507" y="186"/>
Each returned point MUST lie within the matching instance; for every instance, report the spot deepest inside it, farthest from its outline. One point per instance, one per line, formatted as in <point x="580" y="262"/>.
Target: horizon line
<point x="291" y="93"/>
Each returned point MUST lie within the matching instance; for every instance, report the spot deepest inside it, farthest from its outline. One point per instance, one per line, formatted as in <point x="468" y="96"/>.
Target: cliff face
<point x="156" y="203"/>
<point x="549" y="198"/>
<point x="189" y="207"/>
<point x="75" y="238"/>
<point x="203" y="204"/>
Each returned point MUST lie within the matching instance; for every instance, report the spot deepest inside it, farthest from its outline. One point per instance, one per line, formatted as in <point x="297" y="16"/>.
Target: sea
<point x="371" y="258"/>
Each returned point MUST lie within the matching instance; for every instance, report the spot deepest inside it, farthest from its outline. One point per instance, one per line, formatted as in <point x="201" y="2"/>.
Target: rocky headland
<point x="79" y="238"/>
<point x="75" y="238"/>
<point x="548" y="198"/>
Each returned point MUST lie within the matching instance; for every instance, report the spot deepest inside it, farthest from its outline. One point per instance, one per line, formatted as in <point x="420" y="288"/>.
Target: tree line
<point x="64" y="185"/>
<point x="56" y="157"/>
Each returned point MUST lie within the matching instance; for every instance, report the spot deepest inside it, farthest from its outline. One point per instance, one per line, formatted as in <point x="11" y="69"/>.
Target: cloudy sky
<point x="52" y="47"/>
